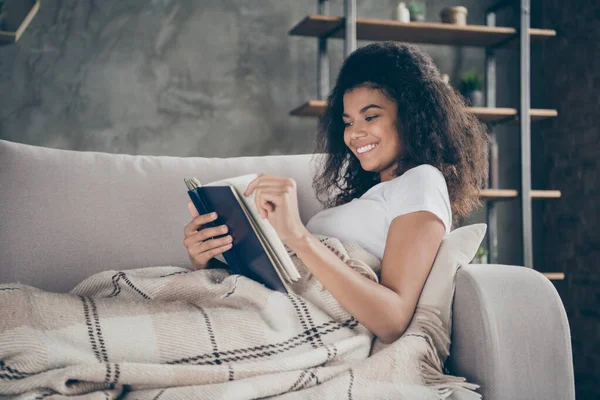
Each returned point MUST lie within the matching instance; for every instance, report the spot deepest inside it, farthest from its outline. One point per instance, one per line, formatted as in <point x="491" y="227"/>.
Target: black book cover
<point x="247" y="256"/>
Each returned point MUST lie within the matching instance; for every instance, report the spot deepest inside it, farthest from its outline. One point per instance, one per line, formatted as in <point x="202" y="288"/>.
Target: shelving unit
<point x="9" y="37"/>
<point x="314" y="108"/>
<point x="489" y="36"/>
<point x="421" y="32"/>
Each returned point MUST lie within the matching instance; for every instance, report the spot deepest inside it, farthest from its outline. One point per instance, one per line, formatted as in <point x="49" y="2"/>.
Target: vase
<point x="401" y="13"/>
<point x="475" y="98"/>
<point x="454" y="15"/>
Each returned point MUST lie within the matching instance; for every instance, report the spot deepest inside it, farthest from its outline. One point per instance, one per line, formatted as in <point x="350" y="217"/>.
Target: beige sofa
<point x="66" y="215"/>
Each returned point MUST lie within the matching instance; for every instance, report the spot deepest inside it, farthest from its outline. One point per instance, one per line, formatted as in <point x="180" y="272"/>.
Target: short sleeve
<point x="421" y="188"/>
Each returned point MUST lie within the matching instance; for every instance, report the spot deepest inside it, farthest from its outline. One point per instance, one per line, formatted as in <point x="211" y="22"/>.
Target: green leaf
<point x="470" y="82"/>
<point x="416" y="8"/>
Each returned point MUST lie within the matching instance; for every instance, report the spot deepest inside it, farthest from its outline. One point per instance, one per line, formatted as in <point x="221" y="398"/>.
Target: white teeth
<point x="366" y="148"/>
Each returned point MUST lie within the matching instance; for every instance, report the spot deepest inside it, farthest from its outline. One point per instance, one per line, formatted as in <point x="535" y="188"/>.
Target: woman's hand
<point x="277" y="200"/>
<point x="200" y="250"/>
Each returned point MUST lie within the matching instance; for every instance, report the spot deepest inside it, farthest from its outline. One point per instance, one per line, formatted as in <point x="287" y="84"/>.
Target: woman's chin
<point x="368" y="167"/>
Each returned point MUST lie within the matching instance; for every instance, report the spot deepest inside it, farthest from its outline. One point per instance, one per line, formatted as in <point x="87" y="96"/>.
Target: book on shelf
<point x="257" y="252"/>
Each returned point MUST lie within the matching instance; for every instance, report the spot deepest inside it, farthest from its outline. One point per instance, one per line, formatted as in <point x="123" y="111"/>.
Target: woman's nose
<point x="357" y="132"/>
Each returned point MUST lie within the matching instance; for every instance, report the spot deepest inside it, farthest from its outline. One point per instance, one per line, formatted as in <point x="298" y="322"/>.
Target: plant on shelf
<point x="481" y="257"/>
<point x="470" y="87"/>
<point x="417" y="10"/>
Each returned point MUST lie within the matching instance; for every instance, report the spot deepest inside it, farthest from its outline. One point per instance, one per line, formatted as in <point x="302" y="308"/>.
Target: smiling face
<point x="371" y="130"/>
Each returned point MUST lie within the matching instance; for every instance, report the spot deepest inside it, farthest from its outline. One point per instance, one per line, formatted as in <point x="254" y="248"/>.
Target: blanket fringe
<point x="427" y="321"/>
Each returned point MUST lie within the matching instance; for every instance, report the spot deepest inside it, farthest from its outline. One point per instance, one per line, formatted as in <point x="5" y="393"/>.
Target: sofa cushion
<point x="69" y="214"/>
<point x="457" y="248"/>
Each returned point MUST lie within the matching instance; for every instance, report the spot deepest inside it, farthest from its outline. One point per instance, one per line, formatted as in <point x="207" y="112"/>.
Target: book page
<point x="279" y="268"/>
<point x="240" y="183"/>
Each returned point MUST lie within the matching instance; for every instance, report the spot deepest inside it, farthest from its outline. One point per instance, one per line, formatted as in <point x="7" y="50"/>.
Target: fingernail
<point x="213" y="215"/>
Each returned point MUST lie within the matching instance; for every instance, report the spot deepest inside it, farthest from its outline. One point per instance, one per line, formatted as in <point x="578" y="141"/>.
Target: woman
<point x="405" y="158"/>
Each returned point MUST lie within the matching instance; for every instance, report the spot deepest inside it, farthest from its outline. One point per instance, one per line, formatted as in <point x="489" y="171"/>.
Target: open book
<point x="257" y="252"/>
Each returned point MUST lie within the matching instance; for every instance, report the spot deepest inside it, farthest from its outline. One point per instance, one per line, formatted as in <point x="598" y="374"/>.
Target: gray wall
<point x="212" y="78"/>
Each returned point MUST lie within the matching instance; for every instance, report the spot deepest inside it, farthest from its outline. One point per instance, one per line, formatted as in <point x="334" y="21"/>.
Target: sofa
<point x="69" y="214"/>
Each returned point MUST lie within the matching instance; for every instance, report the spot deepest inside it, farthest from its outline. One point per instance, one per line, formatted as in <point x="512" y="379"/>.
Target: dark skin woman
<point x="388" y="113"/>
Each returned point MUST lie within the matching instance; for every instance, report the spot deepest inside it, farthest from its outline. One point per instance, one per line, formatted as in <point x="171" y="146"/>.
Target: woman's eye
<point x="372" y="117"/>
<point x="347" y="124"/>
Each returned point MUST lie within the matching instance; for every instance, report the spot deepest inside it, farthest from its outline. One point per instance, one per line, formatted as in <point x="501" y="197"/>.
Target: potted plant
<point x="417" y="11"/>
<point x="470" y="87"/>
<point x="481" y="257"/>
<point x="2" y="23"/>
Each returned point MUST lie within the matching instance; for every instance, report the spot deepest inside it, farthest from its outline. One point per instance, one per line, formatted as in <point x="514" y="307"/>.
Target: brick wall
<point x="570" y="67"/>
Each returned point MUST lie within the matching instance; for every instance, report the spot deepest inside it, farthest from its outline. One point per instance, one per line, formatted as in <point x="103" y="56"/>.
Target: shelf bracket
<point x="350" y="23"/>
<point x="490" y="99"/>
<point x="525" y="120"/>
<point x="322" y="57"/>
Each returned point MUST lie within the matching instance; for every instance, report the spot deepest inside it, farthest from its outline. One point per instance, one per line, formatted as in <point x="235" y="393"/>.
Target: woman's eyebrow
<point x="362" y="110"/>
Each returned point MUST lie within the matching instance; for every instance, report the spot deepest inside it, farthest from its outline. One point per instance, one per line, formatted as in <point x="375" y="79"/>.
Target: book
<point x="257" y="252"/>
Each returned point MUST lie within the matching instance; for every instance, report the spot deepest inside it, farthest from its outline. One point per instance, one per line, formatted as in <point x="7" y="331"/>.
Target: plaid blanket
<point x="167" y="332"/>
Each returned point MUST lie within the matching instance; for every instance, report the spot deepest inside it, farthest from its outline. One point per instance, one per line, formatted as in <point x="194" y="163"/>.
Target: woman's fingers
<point x="198" y="222"/>
<point x="265" y="180"/>
<point x="267" y="199"/>
<point x="204" y="234"/>
<point x="202" y="252"/>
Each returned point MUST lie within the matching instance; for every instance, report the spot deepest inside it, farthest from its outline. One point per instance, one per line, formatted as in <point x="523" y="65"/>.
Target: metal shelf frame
<point x="524" y="112"/>
<point x="525" y="131"/>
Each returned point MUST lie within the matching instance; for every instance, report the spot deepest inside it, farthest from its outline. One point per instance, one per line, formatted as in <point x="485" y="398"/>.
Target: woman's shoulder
<point x="420" y="176"/>
<point x="422" y="188"/>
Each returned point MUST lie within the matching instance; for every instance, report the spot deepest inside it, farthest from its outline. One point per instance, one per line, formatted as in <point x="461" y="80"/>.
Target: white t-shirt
<point x="366" y="220"/>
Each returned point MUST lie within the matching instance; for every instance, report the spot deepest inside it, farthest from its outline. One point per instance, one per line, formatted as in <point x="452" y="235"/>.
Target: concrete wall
<point x="211" y="78"/>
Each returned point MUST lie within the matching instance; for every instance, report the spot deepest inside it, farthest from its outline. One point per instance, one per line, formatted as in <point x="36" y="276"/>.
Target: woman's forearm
<point x="378" y="308"/>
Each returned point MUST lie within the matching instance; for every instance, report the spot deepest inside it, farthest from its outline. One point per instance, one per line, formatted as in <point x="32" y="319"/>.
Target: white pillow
<point x="458" y="248"/>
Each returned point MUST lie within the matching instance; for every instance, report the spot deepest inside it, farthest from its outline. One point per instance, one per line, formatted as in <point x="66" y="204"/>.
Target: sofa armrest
<point x="510" y="334"/>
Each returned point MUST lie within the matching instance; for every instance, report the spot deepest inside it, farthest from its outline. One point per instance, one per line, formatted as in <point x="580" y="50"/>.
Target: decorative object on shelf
<point x="470" y="87"/>
<point x="401" y="13"/>
<point x="481" y="257"/>
<point x="2" y="19"/>
<point x="417" y="11"/>
<point x="456" y="15"/>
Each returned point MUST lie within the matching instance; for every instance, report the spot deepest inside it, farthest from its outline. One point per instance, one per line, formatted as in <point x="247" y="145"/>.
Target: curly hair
<point x="436" y="127"/>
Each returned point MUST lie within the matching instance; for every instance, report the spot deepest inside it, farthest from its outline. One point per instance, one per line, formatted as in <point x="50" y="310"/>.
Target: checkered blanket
<point x="167" y="332"/>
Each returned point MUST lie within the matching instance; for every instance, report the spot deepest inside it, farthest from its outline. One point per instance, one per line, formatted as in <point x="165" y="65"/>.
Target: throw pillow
<point x="458" y="247"/>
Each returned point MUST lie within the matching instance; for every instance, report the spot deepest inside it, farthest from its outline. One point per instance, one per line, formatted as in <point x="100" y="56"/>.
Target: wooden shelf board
<point x="7" y="37"/>
<point x="554" y="276"/>
<point x="546" y="194"/>
<point x="486" y="114"/>
<point x="500" y="194"/>
<point x="314" y="108"/>
<point x="13" y="37"/>
<point x="415" y="32"/>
